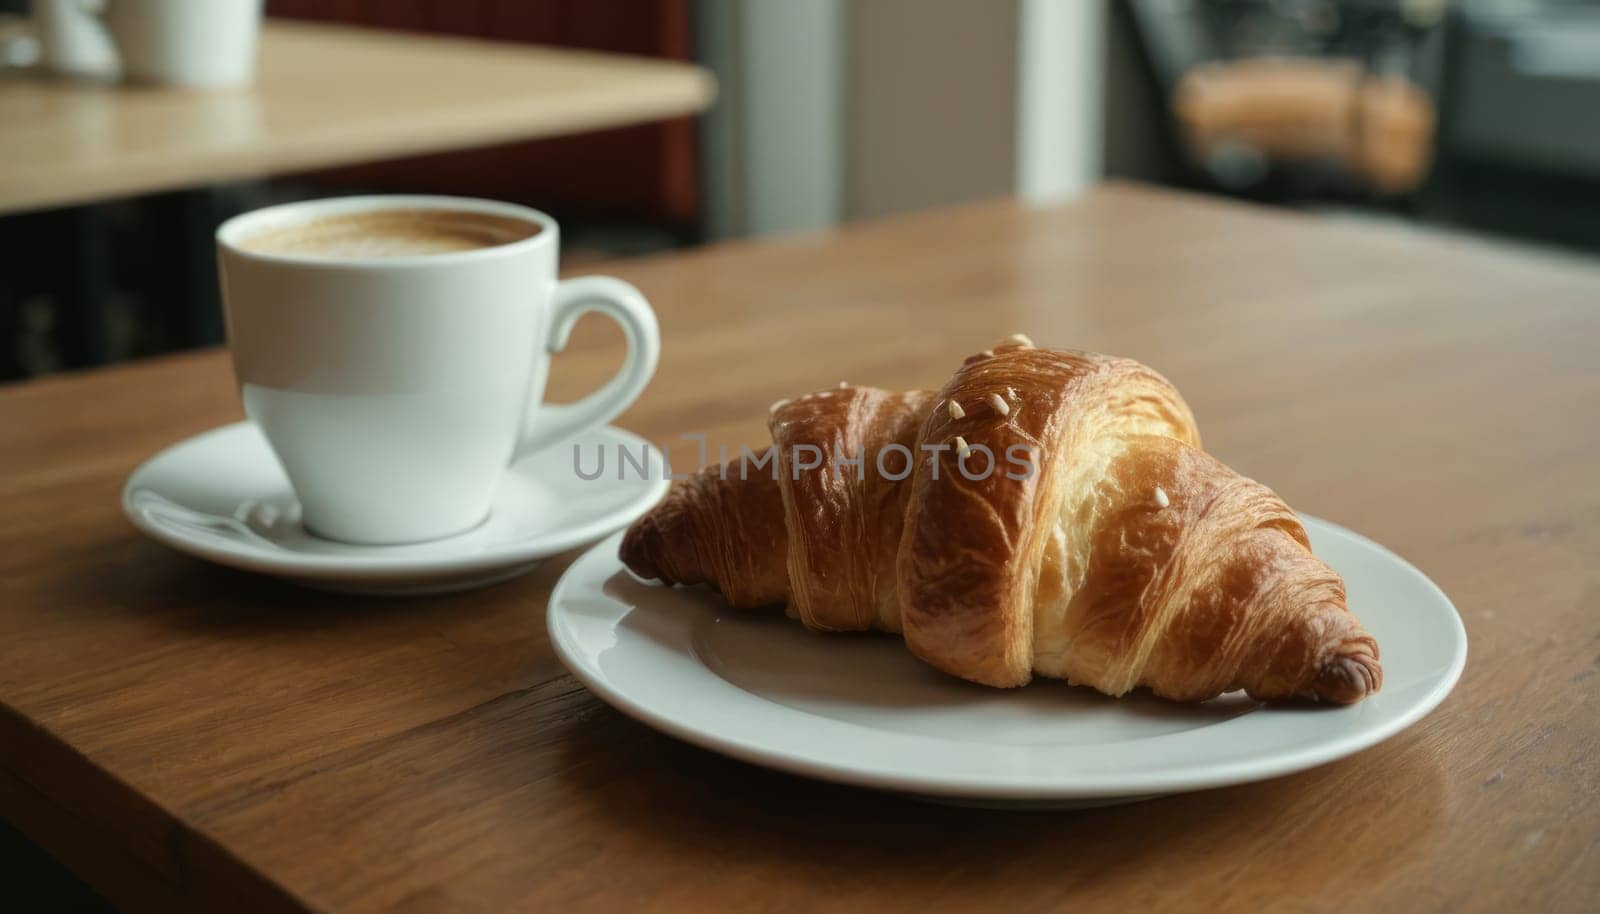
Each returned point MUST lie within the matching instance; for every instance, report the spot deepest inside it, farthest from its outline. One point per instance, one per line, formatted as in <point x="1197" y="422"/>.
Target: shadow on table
<point x="144" y="578"/>
<point x="692" y="809"/>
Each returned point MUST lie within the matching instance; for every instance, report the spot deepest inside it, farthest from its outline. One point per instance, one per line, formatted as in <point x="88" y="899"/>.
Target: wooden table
<point x="185" y="735"/>
<point x="324" y="95"/>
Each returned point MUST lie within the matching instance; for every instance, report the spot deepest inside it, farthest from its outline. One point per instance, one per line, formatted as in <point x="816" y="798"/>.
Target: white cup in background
<point x="194" y="43"/>
<point x="199" y="43"/>
<point x="396" y="390"/>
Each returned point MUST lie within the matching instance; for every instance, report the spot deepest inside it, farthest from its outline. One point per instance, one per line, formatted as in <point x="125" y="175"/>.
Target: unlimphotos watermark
<point x="893" y="462"/>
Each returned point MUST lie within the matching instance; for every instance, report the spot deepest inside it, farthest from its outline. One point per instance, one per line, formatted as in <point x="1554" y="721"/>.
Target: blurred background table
<point x="109" y="193"/>
<point x="326" y="95"/>
<point x="188" y="737"/>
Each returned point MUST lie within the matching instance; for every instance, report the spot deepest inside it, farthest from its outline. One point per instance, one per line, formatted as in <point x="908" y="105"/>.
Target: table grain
<point x="189" y="737"/>
<point x="324" y="95"/>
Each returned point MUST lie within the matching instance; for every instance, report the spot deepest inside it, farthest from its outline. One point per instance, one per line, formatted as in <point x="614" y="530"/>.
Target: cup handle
<point x="622" y="303"/>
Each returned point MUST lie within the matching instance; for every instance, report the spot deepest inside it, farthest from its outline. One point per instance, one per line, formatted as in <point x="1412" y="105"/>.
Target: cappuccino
<point x="397" y="381"/>
<point x="392" y="233"/>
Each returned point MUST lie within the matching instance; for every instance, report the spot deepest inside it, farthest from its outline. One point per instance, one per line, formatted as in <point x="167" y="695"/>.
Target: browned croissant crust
<point x="1127" y="557"/>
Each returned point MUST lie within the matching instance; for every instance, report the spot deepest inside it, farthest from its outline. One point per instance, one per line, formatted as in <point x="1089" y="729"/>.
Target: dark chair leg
<point x="178" y="281"/>
<point x="10" y="301"/>
<point x="81" y="259"/>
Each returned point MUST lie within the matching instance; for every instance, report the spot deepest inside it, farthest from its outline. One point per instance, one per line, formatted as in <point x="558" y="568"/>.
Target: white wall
<point x="930" y="108"/>
<point x="1060" y="90"/>
<point x="773" y="145"/>
<point x="851" y="109"/>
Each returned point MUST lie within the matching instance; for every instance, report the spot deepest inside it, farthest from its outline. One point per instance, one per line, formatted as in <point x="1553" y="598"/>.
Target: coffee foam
<point x="392" y="233"/>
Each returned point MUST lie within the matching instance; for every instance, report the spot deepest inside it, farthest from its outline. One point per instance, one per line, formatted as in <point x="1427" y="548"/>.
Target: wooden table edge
<point x="101" y="849"/>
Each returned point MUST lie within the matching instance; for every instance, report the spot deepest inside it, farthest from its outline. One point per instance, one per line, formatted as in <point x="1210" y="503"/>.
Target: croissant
<point x="1046" y="513"/>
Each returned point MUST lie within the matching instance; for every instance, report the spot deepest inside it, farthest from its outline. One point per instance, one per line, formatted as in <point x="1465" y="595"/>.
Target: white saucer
<point x="859" y="709"/>
<point x="222" y="496"/>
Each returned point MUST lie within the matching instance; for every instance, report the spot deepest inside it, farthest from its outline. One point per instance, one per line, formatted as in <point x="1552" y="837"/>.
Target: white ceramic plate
<point x="859" y="709"/>
<point x="222" y="496"/>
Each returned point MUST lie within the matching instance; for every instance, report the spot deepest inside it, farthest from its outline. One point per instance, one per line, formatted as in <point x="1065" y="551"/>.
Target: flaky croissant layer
<point x="1124" y="557"/>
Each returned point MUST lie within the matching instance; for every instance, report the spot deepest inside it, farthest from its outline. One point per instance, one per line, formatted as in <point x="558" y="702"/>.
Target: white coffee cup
<point x="396" y="390"/>
<point x="195" y="43"/>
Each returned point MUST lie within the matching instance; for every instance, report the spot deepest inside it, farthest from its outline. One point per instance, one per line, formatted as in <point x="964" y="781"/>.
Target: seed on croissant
<point x="955" y="410"/>
<point x="844" y="384"/>
<point x="987" y="353"/>
<point x="961" y="446"/>
<point x="1021" y="339"/>
<point x="1000" y="405"/>
<point x="1161" y="497"/>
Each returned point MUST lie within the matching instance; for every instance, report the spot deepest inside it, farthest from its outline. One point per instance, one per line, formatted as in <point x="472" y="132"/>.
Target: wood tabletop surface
<point x="188" y="737"/>
<point x="324" y="95"/>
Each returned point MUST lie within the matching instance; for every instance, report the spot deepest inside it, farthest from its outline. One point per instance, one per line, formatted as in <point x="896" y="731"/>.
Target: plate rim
<point x="377" y="567"/>
<point x="998" y="787"/>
